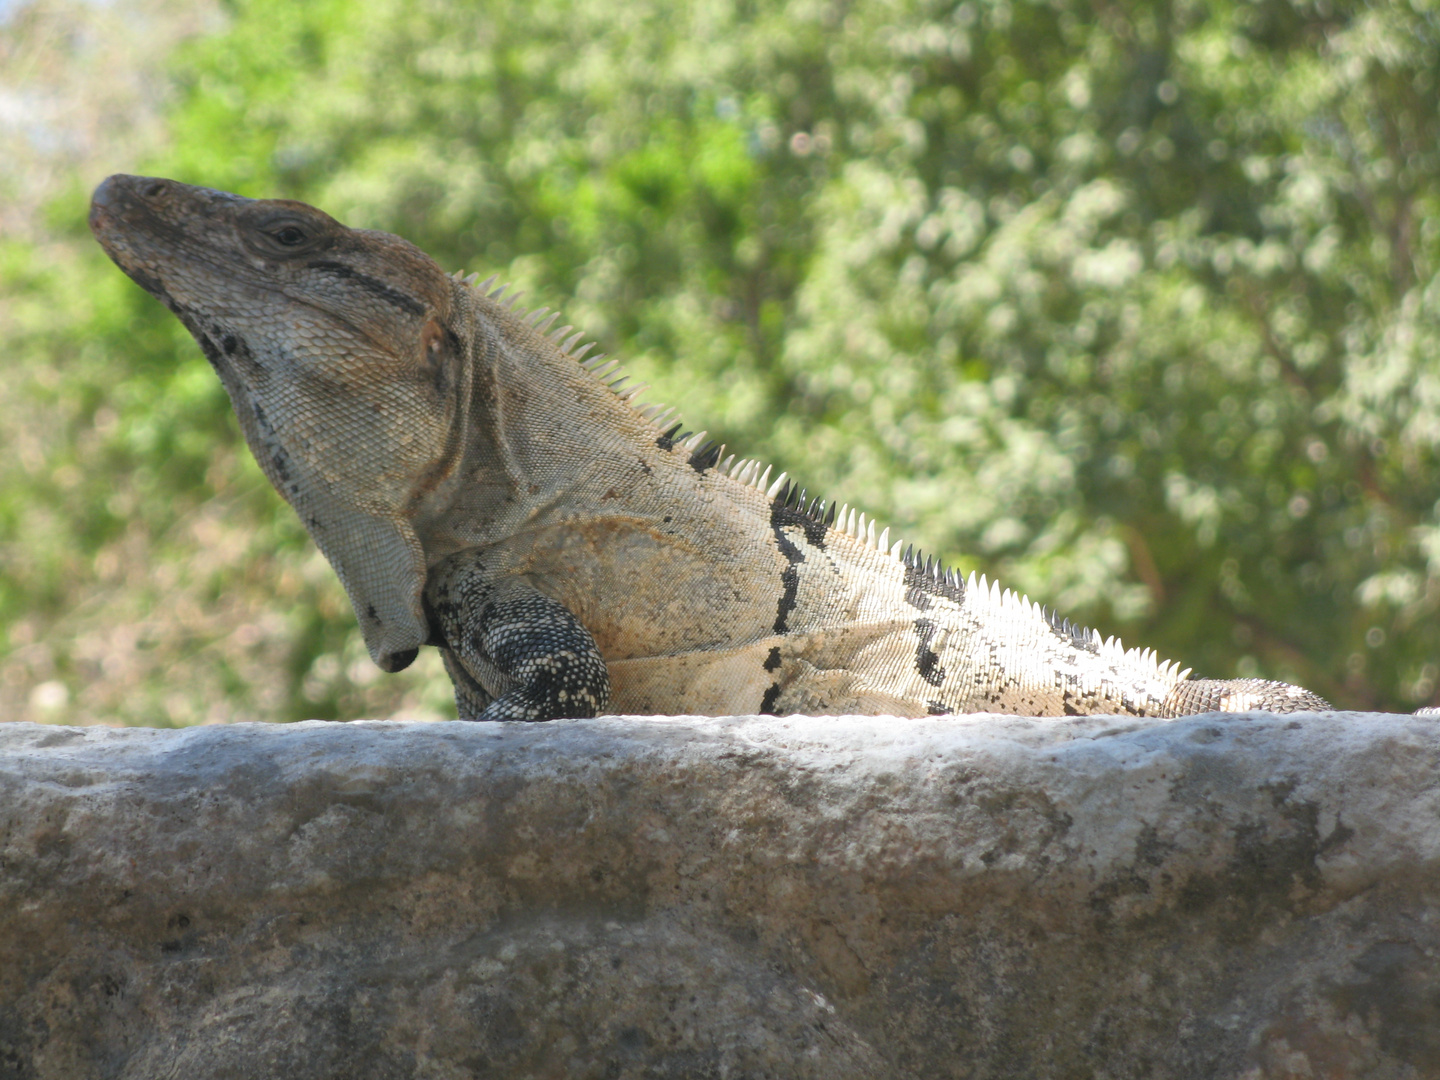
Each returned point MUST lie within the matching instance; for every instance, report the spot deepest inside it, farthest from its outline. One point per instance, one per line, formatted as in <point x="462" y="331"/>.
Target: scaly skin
<point x="480" y="487"/>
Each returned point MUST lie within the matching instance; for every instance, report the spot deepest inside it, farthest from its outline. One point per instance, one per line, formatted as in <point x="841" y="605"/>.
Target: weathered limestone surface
<point x="1251" y="896"/>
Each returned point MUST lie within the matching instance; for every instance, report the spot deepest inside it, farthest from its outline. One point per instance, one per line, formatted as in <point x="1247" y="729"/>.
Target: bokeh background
<point x="1132" y="304"/>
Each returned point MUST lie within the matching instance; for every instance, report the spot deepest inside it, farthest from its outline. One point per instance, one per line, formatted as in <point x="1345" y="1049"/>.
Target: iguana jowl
<point x="481" y="487"/>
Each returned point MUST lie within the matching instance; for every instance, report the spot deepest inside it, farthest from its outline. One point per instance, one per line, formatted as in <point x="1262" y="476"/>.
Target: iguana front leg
<point x="512" y="652"/>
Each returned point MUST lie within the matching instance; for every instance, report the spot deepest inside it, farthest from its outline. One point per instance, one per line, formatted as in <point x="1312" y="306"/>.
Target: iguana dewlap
<point x="480" y="487"/>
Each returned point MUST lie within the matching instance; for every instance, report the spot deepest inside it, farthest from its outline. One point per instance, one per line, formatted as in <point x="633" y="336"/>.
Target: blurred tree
<point x="1132" y="304"/>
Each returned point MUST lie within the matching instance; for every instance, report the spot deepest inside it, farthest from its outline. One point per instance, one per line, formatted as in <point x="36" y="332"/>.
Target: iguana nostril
<point x="153" y="189"/>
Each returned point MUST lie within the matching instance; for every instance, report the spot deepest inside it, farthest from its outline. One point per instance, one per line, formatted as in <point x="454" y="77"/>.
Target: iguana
<point x="479" y="485"/>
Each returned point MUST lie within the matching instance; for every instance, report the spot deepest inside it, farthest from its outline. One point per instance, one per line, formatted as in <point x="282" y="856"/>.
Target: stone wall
<point x="1251" y="896"/>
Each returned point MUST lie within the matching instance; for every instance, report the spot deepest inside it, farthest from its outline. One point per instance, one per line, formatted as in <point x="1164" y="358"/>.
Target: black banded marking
<point x="927" y="663"/>
<point x="767" y="703"/>
<point x="925" y="577"/>
<point x="789" y="581"/>
<point x="375" y="285"/>
<point x="772" y="661"/>
<point x="209" y="348"/>
<point x="706" y="457"/>
<point x="1072" y="634"/>
<point x="666" y="440"/>
<point x="791" y="508"/>
<point x="790" y="576"/>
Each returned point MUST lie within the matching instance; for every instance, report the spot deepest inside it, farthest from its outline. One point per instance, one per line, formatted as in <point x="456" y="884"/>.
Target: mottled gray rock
<point x="1252" y="896"/>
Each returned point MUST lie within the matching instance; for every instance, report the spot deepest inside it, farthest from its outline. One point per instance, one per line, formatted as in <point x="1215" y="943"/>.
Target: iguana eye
<point x="289" y="235"/>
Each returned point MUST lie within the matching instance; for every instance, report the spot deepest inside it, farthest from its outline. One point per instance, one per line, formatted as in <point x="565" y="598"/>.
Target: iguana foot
<point x="512" y="652"/>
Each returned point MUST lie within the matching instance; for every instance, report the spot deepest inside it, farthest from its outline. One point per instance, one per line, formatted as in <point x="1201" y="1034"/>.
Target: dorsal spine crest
<point x="783" y="491"/>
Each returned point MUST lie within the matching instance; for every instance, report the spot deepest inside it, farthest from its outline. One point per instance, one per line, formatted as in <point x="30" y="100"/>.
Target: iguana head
<point x="341" y="353"/>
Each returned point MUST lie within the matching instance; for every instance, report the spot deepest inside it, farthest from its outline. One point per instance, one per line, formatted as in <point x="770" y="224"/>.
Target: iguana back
<point x="481" y="487"/>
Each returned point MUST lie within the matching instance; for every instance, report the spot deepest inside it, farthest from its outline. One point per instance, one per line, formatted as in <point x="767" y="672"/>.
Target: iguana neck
<point x="534" y="427"/>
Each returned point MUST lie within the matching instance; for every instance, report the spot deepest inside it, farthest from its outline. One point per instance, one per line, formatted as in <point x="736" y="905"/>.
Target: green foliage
<point x="1136" y="307"/>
